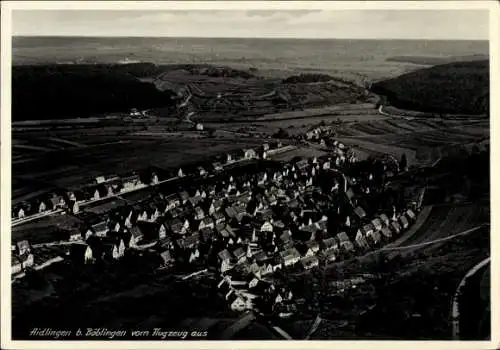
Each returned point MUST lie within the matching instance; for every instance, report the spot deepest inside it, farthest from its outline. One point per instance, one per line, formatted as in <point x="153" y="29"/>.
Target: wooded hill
<point x="455" y="88"/>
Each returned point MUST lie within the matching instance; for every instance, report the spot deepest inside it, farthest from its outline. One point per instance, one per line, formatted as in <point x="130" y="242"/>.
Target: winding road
<point x="462" y="324"/>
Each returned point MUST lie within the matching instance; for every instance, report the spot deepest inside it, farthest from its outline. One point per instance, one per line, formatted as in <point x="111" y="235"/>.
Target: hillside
<point x="81" y="90"/>
<point x="431" y="60"/>
<point x="62" y="91"/>
<point x="456" y="88"/>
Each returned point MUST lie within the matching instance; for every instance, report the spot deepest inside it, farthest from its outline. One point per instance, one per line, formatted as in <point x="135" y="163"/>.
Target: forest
<point x="65" y="91"/>
<point x="454" y="88"/>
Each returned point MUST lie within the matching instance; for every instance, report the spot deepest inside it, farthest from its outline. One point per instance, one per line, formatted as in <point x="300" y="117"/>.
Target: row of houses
<point x="24" y="257"/>
<point x="106" y="187"/>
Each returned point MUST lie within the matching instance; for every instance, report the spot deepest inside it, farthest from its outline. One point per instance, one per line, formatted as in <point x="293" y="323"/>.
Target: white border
<point x="6" y="16"/>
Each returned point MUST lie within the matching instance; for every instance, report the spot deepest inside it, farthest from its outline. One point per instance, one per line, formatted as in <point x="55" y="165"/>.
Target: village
<point x="242" y="215"/>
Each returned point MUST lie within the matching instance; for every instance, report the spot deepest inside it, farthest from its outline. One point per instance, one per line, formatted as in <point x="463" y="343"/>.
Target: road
<point x="239" y="325"/>
<point x="423" y="244"/>
<point x="466" y="318"/>
<point x="16" y="222"/>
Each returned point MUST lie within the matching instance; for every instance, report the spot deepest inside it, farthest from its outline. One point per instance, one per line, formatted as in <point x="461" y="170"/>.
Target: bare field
<point x="75" y="166"/>
<point x="305" y="152"/>
<point x="423" y="141"/>
<point x="44" y="229"/>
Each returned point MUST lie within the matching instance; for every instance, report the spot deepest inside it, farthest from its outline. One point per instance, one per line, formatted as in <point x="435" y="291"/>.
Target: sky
<point x="351" y="24"/>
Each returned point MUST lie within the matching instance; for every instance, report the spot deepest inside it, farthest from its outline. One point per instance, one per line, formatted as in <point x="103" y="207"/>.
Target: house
<point x="312" y="248"/>
<point x="202" y="171"/>
<point x="198" y="213"/>
<point x="266" y="269"/>
<point x="224" y="255"/>
<point x="136" y="236"/>
<point x="261" y="257"/>
<point x="254" y="269"/>
<point x="404" y="221"/>
<point x="114" y="226"/>
<point x="150" y="231"/>
<point x="218" y="217"/>
<point x="75" y="235"/>
<point x="154" y="179"/>
<point x="276" y="263"/>
<point x="384" y="219"/>
<point x="130" y="183"/>
<point x="194" y="255"/>
<point x="27" y="260"/>
<point x="377" y="224"/>
<point x="207" y="234"/>
<point x="42" y="207"/>
<point x="217" y="166"/>
<point x="309" y="262"/>
<point x="286" y="237"/>
<point x="375" y="238"/>
<point x="366" y="230"/>
<point x="177" y="226"/>
<point x="231" y="212"/>
<point x="89" y="256"/>
<point x="21" y="213"/>
<point x="266" y="227"/>
<point x="225" y="231"/>
<point x="195" y="200"/>
<point x="240" y="255"/>
<point x="166" y="243"/>
<point x="344" y="242"/>
<point x="330" y="255"/>
<point x="329" y="244"/>
<point x="411" y="215"/>
<point x="386" y="232"/>
<point x="167" y="257"/>
<point x="189" y="242"/>
<point x="290" y="256"/>
<point x="207" y="222"/>
<point x="16" y="265"/>
<point x="396" y="228"/>
<point x="361" y="241"/>
<point x="302" y="164"/>
<point x="360" y="213"/>
<point x="239" y="304"/>
<point x="57" y="202"/>
<point x="23" y="247"/>
<point x="249" y="153"/>
<point x="184" y="197"/>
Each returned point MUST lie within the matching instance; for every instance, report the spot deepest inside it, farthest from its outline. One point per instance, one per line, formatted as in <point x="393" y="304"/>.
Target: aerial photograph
<point x="267" y="174"/>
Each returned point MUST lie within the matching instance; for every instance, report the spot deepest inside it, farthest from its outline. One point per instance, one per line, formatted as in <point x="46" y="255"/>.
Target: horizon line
<point x="242" y="37"/>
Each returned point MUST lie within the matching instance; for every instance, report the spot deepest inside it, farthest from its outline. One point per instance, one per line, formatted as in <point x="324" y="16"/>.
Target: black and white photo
<point x="286" y="173"/>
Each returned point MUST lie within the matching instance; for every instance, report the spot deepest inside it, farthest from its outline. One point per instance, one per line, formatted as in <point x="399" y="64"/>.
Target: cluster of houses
<point x="319" y="132"/>
<point x="25" y="257"/>
<point x="105" y="187"/>
<point x="70" y="201"/>
<point x="291" y="217"/>
<point x="22" y="257"/>
<point x="250" y="225"/>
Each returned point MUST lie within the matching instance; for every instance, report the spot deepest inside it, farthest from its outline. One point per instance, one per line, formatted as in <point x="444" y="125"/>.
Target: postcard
<point x="268" y="174"/>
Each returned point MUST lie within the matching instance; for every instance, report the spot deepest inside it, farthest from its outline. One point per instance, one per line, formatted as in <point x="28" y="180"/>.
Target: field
<point x="105" y="150"/>
<point x="423" y="141"/>
<point x="47" y="229"/>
